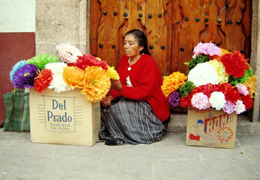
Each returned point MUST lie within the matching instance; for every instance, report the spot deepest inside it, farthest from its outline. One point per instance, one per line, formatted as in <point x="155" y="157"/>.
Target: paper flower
<point x="234" y="81"/>
<point x="239" y="107"/>
<point x="248" y="101"/>
<point x="217" y="100"/>
<point x="43" y="80"/>
<point x="172" y="82"/>
<point x="186" y="88"/>
<point x="229" y="107"/>
<point x="58" y="83"/>
<point x="209" y="49"/>
<point x="234" y="60"/>
<point x="224" y="51"/>
<point x="42" y="59"/>
<point x="242" y="89"/>
<point x="68" y="53"/>
<point x="231" y="94"/>
<point x="74" y="77"/>
<point x="200" y="101"/>
<point x="198" y="59"/>
<point x="89" y="60"/>
<point x="174" y="98"/>
<point x="24" y="76"/>
<point x="96" y="84"/>
<point x="251" y="84"/>
<point x="18" y="65"/>
<point x="220" y="69"/>
<point x="112" y="73"/>
<point x="56" y="68"/>
<point x="202" y="74"/>
<point x="186" y="101"/>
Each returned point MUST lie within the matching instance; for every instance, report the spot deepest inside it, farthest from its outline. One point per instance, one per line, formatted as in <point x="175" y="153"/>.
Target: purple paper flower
<point x="174" y="98"/>
<point x="229" y="107"/>
<point x="24" y="76"/>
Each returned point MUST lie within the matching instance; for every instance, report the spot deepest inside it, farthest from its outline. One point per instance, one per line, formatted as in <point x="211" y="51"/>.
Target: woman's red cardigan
<point x="146" y="79"/>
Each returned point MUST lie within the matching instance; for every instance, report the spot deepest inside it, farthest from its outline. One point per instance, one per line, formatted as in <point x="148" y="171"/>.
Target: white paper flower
<point x="217" y="100"/>
<point x="56" y="68"/>
<point x="68" y="53"/>
<point x="202" y="74"/>
<point x="57" y="83"/>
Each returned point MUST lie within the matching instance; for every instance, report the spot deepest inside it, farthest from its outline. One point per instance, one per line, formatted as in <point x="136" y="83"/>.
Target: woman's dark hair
<point x="141" y="39"/>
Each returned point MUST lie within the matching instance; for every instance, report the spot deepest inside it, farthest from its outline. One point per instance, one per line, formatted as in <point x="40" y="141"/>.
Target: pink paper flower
<point x="200" y="101"/>
<point x="242" y="89"/>
<point x="209" y="49"/>
<point x="240" y="107"/>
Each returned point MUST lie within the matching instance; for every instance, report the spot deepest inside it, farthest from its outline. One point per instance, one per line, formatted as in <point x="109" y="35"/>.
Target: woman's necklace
<point x="129" y="68"/>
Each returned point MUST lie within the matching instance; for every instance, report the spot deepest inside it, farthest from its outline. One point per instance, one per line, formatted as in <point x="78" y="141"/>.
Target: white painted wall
<point x="17" y="15"/>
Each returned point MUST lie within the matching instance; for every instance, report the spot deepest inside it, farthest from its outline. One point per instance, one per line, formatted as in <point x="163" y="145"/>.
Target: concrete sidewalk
<point x="169" y="159"/>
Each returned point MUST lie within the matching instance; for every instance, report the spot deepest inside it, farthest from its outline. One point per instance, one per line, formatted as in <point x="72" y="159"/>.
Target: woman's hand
<point x="116" y="84"/>
<point x="106" y="101"/>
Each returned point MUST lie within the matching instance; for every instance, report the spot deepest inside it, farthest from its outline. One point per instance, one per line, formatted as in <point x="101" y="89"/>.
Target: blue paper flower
<point x="24" y="76"/>
<point x="18" y="65"/>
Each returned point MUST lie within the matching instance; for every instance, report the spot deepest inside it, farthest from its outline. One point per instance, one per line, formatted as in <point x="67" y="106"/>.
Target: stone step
<point x="178" y="124"/>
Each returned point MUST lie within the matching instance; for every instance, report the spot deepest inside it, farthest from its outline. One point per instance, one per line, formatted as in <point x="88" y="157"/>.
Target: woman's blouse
<point x="146" y="80"/>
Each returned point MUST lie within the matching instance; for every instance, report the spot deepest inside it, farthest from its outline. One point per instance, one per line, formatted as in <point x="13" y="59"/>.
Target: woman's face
<point x="131" y="46"/>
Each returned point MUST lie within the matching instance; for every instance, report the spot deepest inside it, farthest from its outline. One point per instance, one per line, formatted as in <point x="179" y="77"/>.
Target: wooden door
<point x="173" y="28"/>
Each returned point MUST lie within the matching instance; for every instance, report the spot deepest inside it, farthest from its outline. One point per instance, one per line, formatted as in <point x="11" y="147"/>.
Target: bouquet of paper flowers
<point x="216" y="79"/>
<point x="86" y="72"/>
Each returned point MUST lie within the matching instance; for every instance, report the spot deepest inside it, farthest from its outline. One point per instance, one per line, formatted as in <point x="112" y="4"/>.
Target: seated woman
<point x="135" y="109"/>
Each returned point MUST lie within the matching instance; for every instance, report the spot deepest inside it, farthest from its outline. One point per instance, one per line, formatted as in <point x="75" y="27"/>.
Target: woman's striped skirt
<point x="132" y="122"/>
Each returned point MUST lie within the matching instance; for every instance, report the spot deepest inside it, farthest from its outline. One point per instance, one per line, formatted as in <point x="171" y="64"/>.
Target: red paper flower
<point x="248" y="101"/>
<point x="186" y="101"/>
<point x="206" y="89"/>
<point x="88" y="60"/>
<point x="43" y="80"/>
<point x="242" y="58"/>
<point x="235" y="64"/>
<point x="232" y="95"/>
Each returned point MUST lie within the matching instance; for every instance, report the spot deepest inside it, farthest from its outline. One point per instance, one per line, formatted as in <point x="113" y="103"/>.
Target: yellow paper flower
<point x="250" y="84"/>
<point x="74" y="77"/>
<point x="224" y="51"/>
<point x="112" y="73"/>
<point x="220" y="69"/>
<point x="96" y="83"/>
<point x="172" y="82"/>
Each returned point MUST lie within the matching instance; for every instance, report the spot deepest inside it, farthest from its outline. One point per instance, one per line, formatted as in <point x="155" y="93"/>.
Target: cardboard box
<point x="211" y="128"/>
<point x="64" y="118"/>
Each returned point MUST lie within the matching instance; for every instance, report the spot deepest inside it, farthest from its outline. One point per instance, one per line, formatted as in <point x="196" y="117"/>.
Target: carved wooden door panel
<point x="173" y="28"/>
<point x="110" y="20"/>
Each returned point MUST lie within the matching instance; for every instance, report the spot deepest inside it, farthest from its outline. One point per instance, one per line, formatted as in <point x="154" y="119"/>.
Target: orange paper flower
<point x="172" y="82"/>
<point x="250" y="84"/>
<point x="42" y="80"/>
<point x="96" y="83"/>
<point x="74" y="77"/>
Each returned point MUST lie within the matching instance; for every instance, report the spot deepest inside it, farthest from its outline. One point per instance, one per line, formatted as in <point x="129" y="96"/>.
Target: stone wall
<point x="61" y="21"/>
<point x="255" y="55"/>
